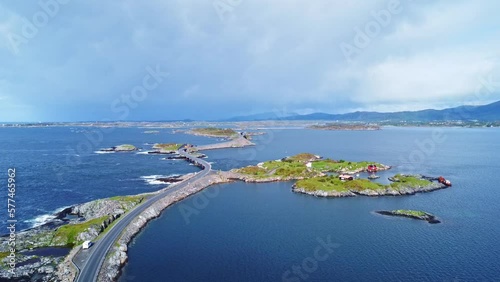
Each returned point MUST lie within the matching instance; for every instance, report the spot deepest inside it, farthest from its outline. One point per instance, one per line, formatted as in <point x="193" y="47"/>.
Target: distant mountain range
<point x="490" y="112"/>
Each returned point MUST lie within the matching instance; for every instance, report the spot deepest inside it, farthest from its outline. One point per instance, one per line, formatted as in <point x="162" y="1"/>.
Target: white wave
<point x="40" y="220"/>
<point x="151" y="176"/>
<point x="167" y="159"/>
<point x="142" y="153"/>
<point x="104" y="152"/>
<point x="156" y="182"/>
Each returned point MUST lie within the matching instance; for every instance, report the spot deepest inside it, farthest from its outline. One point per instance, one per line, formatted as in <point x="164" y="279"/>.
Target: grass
<point x="411" y="213"/>
<point x="167" y="146"/>
<point x="4" y="255"/>
<point x="128" y="202"/>
<point x="329" y="165"/>
<point x="253" y="170"/>
<point x="296" y="166"/>
<point x="214" y="131"/>
<point x="407" y="180"/>
<point x="326" y="183"/>
<point x="332" y="183"/>
<point x="302" y="157"/>
<point x="67" y="234"/>
<point x="290" y="168"/>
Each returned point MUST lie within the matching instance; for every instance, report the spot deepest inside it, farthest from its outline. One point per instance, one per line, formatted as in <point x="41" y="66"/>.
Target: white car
<point x="87" y="244"/>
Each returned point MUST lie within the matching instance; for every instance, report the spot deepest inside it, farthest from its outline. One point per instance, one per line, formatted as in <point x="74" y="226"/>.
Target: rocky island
<point x="120" y="148"/>
<point x="420" y="215"/>
<point x="165" y="148"/>
<point x="214" y="132"/>
<point x="299" y="167"/>
<point x="314" y="177"/>
<point x="332" y="186"/>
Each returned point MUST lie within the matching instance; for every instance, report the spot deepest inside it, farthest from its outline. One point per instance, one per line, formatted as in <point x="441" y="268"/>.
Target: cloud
<point x="265" y="55"/>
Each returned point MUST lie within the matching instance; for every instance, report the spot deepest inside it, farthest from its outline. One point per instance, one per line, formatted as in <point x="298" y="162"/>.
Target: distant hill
<point x="263" y="116"/>
<point x="489" y="112"/>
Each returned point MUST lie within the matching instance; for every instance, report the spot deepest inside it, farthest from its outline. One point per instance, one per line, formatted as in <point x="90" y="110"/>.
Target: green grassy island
<point x="302" y="166"/>
<point x="167" y="147"/>
<point x="120" y="148"/>
<point x="214" y="132"/>
<point x="332" y="186"/>
<point x="311" y="172"/>
<point x="421" y="215"/>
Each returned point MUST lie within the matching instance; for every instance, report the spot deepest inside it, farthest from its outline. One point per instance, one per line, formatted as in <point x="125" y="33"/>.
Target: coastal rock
<point x="172" y="179"/>
<point x="120" y="148"/>
<point x="100" y="208"/>
<point x="31" y="266"/>
<point x="320" y="193"/>
<point x="161" y="152"/>
<point x="420" y="215"/>
<point x="90" y="234"/>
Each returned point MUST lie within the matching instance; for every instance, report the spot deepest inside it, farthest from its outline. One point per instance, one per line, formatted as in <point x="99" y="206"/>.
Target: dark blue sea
<point x="264" y="232"/>
<point x="59" y="166"/>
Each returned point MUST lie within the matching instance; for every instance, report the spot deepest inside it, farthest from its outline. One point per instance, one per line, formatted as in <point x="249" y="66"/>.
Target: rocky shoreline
<point x="407" y="190"/>
<point x="401" y="191"/>
<point x="56" y="268"/>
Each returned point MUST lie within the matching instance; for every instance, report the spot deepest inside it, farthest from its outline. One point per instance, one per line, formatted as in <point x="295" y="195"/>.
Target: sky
<point x="66" y="60"/>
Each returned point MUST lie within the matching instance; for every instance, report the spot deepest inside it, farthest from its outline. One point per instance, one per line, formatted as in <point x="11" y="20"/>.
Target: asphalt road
<point x="97" y="253"/>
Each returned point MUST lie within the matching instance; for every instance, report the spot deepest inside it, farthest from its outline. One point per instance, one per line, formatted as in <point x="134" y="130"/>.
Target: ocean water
<point x="264" y="232"/>
<point x="58" y="166"/>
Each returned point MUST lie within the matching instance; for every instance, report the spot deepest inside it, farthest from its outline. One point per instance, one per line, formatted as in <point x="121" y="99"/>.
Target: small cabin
<point x="372" y="168"/>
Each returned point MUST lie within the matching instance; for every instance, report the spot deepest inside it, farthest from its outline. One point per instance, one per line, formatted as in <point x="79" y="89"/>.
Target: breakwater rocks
<point x="117" y="256"/>
<point x="420" y="215"/>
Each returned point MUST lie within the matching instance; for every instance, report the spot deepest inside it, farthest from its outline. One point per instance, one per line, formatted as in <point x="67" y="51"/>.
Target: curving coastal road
<point x="97" y="253"/>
